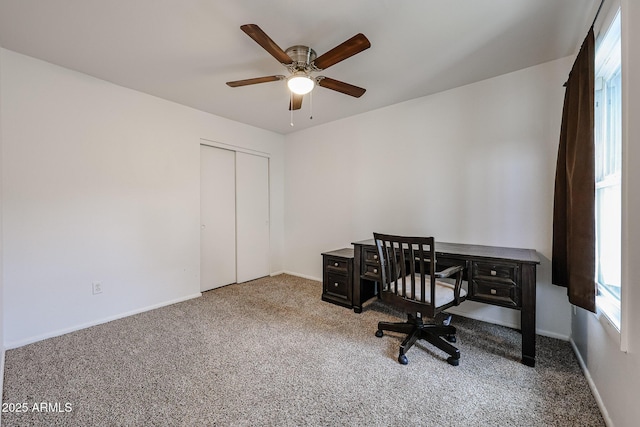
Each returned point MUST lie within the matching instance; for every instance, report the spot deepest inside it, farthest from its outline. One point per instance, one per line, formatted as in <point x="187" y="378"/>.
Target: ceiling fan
<point x="302" y="61"/>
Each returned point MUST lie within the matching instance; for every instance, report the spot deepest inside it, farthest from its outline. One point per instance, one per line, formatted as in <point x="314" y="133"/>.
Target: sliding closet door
<point x="252" y="216"/>
<point x="217" y="218"/>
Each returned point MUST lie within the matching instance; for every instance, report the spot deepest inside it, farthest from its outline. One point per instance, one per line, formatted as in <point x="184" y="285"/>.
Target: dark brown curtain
<point x="573" y="263"/>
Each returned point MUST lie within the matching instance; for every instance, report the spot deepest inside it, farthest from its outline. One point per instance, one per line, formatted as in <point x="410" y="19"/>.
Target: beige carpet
<point x="271" y="353"/>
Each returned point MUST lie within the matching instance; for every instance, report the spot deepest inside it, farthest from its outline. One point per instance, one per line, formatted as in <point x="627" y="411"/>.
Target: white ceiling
<point x="185" y="50"/>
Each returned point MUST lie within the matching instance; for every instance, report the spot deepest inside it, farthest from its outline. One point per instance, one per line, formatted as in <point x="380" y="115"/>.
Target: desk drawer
<point x="337" y="285"/>
<point x="500" y="271"/>
<point x="371" y="255"/>
<point x="494" y="292"/>
<point x="336" y="264"/>
<point x="496" y="283"/>
<point x="371" y="272"/>
<point x="337" y="277"/>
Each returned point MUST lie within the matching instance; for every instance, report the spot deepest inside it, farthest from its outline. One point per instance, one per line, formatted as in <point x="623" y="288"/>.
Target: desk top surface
<point x="480" y="251"/>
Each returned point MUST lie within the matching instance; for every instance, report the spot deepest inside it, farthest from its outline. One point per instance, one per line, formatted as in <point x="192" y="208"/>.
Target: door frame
<point x="231" y="147"/>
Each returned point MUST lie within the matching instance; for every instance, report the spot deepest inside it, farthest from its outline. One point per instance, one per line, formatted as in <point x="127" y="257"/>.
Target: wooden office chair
<point x="409" y="281"/>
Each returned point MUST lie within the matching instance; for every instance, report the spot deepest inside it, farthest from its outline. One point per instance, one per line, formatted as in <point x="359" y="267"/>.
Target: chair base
<point x="433" y="333"/>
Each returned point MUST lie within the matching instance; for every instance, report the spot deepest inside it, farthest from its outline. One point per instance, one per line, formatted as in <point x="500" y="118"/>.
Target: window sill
<point x="608" y="313"/>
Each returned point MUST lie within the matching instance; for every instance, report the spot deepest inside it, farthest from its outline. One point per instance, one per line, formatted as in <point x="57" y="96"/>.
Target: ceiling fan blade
<point x="342" y="87"/>
<point x="296" y="101"/>
<point x="260" y="37"/>
<point x="255" y="81"/>
<point x="355" y="44"/>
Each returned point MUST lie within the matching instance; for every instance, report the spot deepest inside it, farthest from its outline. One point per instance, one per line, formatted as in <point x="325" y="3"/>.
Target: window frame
<point x="608" y="64"/>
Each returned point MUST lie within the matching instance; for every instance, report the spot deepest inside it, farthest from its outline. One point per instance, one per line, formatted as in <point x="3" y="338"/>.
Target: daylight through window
<point x="608" y="148"/>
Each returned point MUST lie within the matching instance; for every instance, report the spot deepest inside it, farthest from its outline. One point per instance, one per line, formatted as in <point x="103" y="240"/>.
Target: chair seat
<point x="444" y="290"/>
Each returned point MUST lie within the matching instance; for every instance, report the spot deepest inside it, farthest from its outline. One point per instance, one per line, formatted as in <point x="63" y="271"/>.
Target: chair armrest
<point x="457" y="270"/>
<point x="448" y="272"/>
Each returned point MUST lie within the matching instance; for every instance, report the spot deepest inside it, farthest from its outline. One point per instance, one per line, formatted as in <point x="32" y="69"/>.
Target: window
<point x="608" y="148"/>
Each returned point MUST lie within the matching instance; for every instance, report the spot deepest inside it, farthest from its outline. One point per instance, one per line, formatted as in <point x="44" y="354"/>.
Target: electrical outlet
<point x="96" y="288"/>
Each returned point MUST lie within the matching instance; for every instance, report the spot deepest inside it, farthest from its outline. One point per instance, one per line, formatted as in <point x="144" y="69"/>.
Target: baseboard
<point x="30" y="340"/>
<point x="592" y="385"/>
<point x="304" y="276"/>
<point x="472" y="315"/>
<point x="552" y="335"/>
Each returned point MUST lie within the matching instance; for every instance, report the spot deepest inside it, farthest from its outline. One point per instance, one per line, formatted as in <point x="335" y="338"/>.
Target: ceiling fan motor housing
<point x="302" y="56"/>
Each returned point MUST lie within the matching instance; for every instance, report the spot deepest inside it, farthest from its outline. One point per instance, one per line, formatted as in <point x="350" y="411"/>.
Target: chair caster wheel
<point x="403" y="359"/>
<point x="379" y="333"/>
<point x="453" y="362"/>
<point x="450" y="338"/>
<point x="447" y="320"/>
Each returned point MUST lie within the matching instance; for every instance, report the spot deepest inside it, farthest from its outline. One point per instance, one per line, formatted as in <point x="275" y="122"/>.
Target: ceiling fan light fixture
<point x="300" y="83"/>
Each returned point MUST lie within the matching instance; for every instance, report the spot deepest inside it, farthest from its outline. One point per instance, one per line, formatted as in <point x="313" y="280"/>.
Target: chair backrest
<point x="407" y="266"/>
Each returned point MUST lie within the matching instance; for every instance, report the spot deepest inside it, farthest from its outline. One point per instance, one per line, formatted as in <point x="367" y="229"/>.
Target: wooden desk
<point x="504" y="277"/>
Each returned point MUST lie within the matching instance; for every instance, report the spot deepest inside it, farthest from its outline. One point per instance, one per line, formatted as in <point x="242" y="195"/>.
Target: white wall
<point x="474" y="164"/>
<point x="101" y="183"/>
<point x="616" y="374"/>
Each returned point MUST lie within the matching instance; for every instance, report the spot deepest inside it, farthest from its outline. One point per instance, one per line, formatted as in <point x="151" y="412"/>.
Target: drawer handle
<point x="335" y="264"/>
<point x="493" y="272"/>
<point x="375" y="270"/>
<point x="336" y="284"/>
<point x="493" y="292"/>
<point x="375" y="257"/>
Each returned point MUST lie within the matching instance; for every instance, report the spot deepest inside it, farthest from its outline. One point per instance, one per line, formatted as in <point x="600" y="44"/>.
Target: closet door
<point x="252" y="216"/>
<point x="217" y="218"/>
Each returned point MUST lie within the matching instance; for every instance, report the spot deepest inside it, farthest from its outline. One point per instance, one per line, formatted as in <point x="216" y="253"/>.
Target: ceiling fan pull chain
<point x="311" y="105"/>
